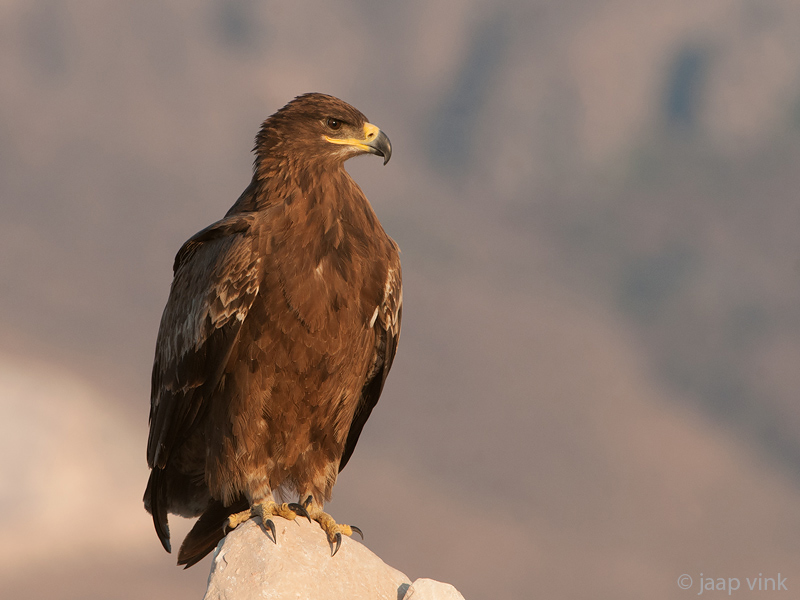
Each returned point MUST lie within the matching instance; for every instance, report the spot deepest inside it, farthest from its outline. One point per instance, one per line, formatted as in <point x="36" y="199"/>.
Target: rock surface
<point x="428" y="589"/>
<point x="248" y="564"/>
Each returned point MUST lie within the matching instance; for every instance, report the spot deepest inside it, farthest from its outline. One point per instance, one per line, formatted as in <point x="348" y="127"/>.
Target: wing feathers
<point x="388" y="317"/>
<point x="155" y="500"/>
<point x="216" y="280"/>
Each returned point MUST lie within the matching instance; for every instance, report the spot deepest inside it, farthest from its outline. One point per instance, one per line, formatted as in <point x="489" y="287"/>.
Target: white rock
<point x="428" y="589"/>
<point x="248" y="564"/>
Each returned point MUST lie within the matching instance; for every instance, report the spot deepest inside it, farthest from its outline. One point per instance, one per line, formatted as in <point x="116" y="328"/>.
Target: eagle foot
<point x="265" y="510"/>
<point x="237" y="519"/>
<point x="332" y="529"/>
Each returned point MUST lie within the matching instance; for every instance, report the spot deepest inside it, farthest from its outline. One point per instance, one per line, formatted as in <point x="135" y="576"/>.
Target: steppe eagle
<point x="280" y="329"/>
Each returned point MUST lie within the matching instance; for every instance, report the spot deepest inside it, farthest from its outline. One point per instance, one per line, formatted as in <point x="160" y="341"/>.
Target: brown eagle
<point x="281" y="326"/>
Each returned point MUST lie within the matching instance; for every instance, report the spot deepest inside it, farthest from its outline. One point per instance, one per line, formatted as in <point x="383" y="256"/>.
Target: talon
<point x="268" y="524"/>
<point x="265" y="510"/>
<point x="357" y="530"/>
<point x="300" y="510"/>
<point x="338" y="542"/>
<point x="308" y="501"/>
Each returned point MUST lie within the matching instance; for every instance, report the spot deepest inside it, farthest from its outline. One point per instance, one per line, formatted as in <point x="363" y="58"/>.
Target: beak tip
<point x="381" y="146"/>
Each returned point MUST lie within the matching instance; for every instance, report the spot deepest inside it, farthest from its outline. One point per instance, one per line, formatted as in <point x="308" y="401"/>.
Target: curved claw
<point x="338" y="542"/>
<point x="357" y="530"/>
<point x="300" y="510"/>
<point x="271" y="526"/>
<point x="307" y="502"/>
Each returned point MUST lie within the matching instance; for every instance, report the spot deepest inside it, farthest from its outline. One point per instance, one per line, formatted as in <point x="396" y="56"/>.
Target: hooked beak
<point x="379" y="144"/>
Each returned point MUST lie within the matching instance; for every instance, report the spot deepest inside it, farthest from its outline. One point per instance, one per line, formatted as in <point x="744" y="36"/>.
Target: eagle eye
<point x="333" y="123"/>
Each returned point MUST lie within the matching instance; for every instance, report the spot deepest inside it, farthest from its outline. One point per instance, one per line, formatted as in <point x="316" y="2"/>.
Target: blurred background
<point x="596" y="389"/>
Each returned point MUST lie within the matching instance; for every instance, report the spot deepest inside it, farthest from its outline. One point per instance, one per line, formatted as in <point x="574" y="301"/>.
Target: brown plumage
<point x="280" y="328"/>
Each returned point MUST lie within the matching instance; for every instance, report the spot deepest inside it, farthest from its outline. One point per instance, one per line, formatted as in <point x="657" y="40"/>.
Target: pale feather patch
<point x="391" y="277"/>
<point x="374" y="317"/>
<point x="390" y="308"/>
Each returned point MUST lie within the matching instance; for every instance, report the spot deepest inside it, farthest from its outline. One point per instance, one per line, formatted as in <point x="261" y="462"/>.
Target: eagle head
<point x="317" y="128"/>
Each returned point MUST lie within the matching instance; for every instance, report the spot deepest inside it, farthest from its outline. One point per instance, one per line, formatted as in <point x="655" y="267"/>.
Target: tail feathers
<point x="207" y="531"/>
<point x="155" y="501"/>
